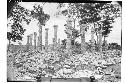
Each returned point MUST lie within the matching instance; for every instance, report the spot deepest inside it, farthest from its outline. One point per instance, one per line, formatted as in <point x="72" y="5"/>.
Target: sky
<point x="51" y="9"/>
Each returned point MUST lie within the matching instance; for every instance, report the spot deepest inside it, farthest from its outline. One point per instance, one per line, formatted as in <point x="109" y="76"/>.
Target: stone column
<point x="31" y="38"/>
<point x="46" y="39"/>
<point x="38" y="43"/>
<point x="82" y="31"/>
<point x="40" y="37"/>
<point x="28" y="43"/>
<point x="35" y="35"/>
<point x="55" y="35"/>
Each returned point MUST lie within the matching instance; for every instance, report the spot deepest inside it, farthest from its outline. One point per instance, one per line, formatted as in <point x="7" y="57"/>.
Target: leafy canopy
<point x="20" y="14"/>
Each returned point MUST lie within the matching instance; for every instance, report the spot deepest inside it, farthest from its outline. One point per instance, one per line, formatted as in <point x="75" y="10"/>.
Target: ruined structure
<point x="28" y="43"/>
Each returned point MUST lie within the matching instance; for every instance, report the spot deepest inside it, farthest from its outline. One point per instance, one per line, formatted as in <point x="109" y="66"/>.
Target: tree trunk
<point x="82" y="29"/>
<point x="68" y="44"/>
<point x="46" y="39"/>
<point x="104" y="38"/>
<point x="35" y="35"/>
<point x="97" y="47"/>
<point x="40" y="37"/>
<point x="73" y="40"/>
<point x="100" y="40"/>
<point x="92" y="40"/>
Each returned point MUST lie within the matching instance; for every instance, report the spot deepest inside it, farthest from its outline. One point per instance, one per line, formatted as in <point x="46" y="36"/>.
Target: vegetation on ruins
<point x="101" y="15"/>
<point x="18" y="14"/>
<point x="96" y="59"/>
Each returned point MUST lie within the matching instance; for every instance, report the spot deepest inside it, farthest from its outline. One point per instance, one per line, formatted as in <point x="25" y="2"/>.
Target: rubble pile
<point x="30" y="65"/>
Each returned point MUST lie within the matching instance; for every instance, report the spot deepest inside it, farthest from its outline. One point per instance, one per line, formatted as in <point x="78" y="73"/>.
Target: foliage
<point x="103" y="13"/>
<point x="87" y="13"/>
<point x="39" y="14"/>
<point x="20" y="14"/>
<point x="95" y="12"/>
<point x="13" y="37"/>
<point x="75" y="34"/>
<point x="64" y="43"/>
<point x="112" y="46"/>
<point x="17" y="15"/>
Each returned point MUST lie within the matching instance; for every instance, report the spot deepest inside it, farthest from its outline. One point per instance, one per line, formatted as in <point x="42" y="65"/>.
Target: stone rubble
<point x="55" y="65"/>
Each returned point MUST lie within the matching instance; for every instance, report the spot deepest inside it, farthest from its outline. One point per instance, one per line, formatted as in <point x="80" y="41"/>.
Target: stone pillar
<point x="46" y="39"/>
<point x="35" y="35"/>
<point x="40" y="37"/>
<point x="31" y="38"/>
<point x="55" y="35"/>
<point x="38" y="43"/>
<point x="28" y="43"/>
<point x="82" y="31"/>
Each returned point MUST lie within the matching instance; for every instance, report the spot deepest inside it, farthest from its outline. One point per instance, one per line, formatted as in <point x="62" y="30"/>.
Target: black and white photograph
<point x="64" y="41"/>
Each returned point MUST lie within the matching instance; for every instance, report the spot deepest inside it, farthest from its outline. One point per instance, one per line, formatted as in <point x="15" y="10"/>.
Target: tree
<point x="101" y="13"/>
<point x="94" y="13"/>
<point x="71" y="12"/>
<point x="17" y="15"/>
<point x="42" y="18"/>
<point x="39" y="14"/>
